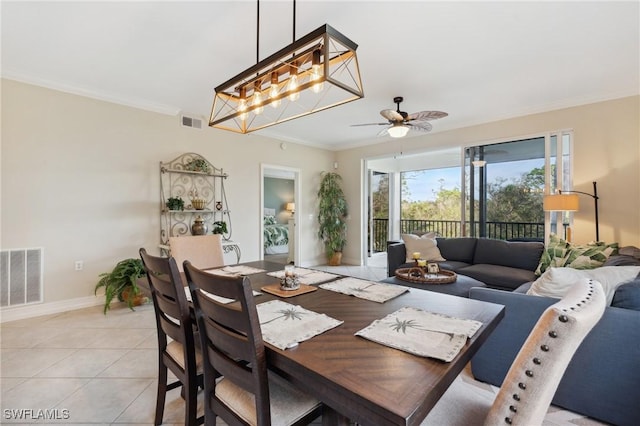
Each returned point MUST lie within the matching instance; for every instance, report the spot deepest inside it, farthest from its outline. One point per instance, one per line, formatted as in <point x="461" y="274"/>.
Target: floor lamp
<point x="565" y="201"/>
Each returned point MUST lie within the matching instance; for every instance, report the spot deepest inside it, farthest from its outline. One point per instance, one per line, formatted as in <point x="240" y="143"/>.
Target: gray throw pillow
<point x="622" y="260"/>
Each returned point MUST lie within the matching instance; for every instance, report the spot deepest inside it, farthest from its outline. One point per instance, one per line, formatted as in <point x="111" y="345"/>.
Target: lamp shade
<point x="291" y="207"/>
<point x="398" y="130"/>
<point x="561" y="202"/>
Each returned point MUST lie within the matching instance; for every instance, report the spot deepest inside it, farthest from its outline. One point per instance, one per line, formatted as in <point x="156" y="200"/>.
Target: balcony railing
<point x="454" y="228"/>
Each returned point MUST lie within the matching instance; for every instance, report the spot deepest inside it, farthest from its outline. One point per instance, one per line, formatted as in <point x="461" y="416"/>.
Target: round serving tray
<point x="419" y="275"/>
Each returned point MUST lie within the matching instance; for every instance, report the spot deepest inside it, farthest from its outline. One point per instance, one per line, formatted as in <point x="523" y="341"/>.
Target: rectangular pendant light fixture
<point x="316" y="72"/>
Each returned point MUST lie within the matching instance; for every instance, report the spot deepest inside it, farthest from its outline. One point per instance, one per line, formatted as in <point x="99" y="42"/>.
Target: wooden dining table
<point x="362" y="381"/>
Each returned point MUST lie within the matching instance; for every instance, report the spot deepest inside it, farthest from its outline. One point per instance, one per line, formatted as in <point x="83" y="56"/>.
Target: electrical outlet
<point x="79" y="265"/>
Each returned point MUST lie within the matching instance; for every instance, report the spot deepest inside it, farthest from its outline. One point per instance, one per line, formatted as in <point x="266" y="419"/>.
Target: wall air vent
<point x="193" y="122"/>
<point x="20" y="277"/>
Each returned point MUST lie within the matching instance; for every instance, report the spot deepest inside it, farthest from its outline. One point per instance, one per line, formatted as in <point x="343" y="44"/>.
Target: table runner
<point x="285" y="325"/>
<point x="422" y="333"/>
<point x="369" y="290"/>
<point x="307" y="276"/>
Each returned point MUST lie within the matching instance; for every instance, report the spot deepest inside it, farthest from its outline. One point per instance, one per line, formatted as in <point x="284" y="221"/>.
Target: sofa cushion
<point x="560" y="253"/>
<point x="497" y="276"/>
<point x="459" y="249"/>
<point x="515" y="254"/>
<point x="453" y="265"/>
<point x="628" y="295"/>
<point x="555" y="282"/>
<point x="622" y="260"/>
<point x="426" y="245"/>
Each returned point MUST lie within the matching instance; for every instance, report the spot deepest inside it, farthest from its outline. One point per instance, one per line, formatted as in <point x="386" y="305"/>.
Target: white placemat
<point x="220" y="299"/>
<point x="369" y="290"/>
<point x="307" y="276"/>
<point x="285" y="325"/>
<point x="235" y="270"/>
<point x="422" y="333"/>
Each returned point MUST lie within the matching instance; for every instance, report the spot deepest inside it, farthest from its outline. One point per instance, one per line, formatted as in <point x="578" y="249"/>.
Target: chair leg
<point x="191" y="403"/>
<point x="162" y="392"/>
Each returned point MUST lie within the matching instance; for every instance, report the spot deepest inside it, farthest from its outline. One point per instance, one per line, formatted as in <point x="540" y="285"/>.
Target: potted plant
<point x="332" y="213"/>
<point x="219" y="227"/>
<point x="121" y="283"/>
<point x="197" y="165"/>
<point x="175" y="203"/>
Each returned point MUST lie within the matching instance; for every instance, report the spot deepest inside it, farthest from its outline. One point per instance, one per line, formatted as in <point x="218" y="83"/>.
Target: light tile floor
<point x="86" y="368"/>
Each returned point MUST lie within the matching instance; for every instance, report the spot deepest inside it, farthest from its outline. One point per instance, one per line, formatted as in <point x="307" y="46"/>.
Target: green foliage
<point x="219" y="227"/>
<point x="380" y="197"/>
<point x="519" y="200"/>
<point x="197" y="165"/>
<point x="332" y="213"/>
<point x="446" y="206"/>
<point x="175" y="203"/>
<point x="121" y="278"/>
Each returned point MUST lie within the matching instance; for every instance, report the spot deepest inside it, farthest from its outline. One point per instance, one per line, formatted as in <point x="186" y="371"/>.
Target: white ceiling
<point x="478" y="61"/>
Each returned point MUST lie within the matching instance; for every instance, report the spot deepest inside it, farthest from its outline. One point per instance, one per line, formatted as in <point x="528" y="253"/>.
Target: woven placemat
<point x="277" y="291"/>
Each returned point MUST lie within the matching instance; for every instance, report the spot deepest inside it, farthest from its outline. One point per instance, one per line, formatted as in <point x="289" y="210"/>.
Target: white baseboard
<point x="39" y="309"/>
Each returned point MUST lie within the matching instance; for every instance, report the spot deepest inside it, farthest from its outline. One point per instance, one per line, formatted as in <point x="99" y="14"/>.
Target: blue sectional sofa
<point x="603" y="379"/>
<point x="504" y="265"/>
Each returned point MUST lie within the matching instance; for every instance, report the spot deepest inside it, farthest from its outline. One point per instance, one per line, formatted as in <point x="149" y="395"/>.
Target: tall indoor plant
<point x="332" y="213"/>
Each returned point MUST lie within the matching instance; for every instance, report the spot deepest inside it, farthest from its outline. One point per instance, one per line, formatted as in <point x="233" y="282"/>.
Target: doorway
<point x="279" y="197"/>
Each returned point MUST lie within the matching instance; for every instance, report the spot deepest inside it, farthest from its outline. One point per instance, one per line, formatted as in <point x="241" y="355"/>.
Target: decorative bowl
<point x="198" y="203"/>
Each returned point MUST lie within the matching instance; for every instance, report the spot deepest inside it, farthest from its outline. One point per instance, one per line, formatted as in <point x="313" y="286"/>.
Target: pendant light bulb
<point x="292" y="86"/>
<point x="257" y="98"/>
<point x="242" y="105"/>
<point x="273" y="90"/>
<point x="316" y="72"/>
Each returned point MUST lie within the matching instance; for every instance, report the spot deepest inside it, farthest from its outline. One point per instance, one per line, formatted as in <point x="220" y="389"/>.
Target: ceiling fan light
<point x="398" y="130"/>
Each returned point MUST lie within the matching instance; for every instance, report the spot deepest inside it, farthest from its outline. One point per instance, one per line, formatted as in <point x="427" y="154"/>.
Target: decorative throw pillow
<point x="426" y="245"/>
<point x="628" y="295"/>
<point x="555" y="282"/>
<point x="554" y="254"/>
<point x="560" y="253"/>
<point x="270" y="220"/>
<point x="591" y="255"/>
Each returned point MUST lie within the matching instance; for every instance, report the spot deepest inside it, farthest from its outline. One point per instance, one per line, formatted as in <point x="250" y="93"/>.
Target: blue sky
<point x="422" y="184"/>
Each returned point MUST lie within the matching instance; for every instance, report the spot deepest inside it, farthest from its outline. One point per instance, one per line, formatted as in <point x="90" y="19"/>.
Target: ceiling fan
<point x="400" y="122"/>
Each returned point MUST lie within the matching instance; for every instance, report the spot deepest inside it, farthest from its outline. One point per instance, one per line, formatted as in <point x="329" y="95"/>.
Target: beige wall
<point x="606" y="146"/>
<point x="80" y="179"/>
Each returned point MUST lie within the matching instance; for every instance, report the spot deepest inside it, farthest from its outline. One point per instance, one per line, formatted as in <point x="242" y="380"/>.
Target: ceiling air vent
<point x="192" y="122"/>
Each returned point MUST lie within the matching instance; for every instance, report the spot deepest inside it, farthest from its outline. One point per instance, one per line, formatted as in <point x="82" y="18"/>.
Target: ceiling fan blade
<point x="391" y="115"/>
<point x="370" y="124"/>
<point x="423" y="126"/>
<point x="426" y="115"/>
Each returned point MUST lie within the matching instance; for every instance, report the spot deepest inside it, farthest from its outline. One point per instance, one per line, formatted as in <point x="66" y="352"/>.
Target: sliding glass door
<point x="505" y="183"/>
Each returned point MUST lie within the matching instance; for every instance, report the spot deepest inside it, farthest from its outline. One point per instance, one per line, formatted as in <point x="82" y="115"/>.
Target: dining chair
<point x="238" y="386"/>
<point x="204" y="251"/>
<point x="528" y="388"/>
<point x="178" y="343"/>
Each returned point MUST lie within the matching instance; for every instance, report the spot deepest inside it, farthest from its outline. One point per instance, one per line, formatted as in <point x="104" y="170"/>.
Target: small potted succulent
<point x="197" y="165"/>
<point x="175" y="203"/>
<point x="219" y="227"/>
